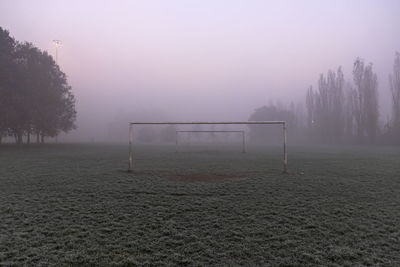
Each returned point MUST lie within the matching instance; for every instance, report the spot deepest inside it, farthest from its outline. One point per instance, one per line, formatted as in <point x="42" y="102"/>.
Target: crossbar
<point x="209" y="131"/>
<point x="283" y="123"/>
<point x="207" y="122"/>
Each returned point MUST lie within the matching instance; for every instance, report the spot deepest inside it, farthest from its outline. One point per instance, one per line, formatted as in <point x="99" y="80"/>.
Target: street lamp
<point x="57" y="44"/>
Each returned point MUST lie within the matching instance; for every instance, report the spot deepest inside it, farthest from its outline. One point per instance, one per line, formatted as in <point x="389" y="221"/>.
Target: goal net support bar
<point x="211" y="131"/>
<point x="283" y="123"/>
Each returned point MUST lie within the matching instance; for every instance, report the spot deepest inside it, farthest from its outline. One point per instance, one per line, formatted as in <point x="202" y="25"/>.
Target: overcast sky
<point x="203" y="59"/>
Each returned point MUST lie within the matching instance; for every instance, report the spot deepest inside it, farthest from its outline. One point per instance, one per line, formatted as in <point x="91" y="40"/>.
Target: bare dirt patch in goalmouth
<point x="205" y="178"/>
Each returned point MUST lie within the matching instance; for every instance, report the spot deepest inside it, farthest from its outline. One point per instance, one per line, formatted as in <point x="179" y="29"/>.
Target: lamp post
<point x="57" y="44"/>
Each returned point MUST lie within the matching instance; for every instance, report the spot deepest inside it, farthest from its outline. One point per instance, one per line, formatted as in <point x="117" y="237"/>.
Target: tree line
<point x="35" y="98"/>
<point x="340" y="110"/>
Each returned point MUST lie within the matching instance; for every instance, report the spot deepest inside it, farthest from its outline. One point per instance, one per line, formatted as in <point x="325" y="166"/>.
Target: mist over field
<point x="202" y="60"/>
<point x="308" y="177"/>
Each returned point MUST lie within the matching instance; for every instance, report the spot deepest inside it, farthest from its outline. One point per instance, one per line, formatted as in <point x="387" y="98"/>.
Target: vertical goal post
<point x="283" y="123"/>
<point x="212" y="131"/>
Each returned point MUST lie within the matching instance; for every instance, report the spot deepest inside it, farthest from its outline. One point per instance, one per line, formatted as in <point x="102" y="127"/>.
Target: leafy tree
<point x="365" y="101"/>
<point x="325" y="108"/>
<point x="310" y="104"/>
<point x="394" y="81"/>
<point x="56" y="103"/>
<point x="350" y="110"/>
<point x="336" y="114"/>
<point x="7" y="68"/>
<point x="271" y="133"/>
<point x="34" y="92"/>
<point x="27" y="86"/>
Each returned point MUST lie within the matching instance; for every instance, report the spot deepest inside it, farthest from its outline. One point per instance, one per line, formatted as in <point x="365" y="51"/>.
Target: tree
<point x="338" y="103"/>
<point x="55" y="102"/>
<point x="270" y="133"/>
<point x="365" y="101"/>
<point x="325" y="108"/>
<point x="310" y="103"/>
<point x="34" y="92"/>
<point x="24" y="92"/>
<point x="7" y="68"/>
<point x="371" y="107"/>
<point x="350" y="110"/>
<point x="394" y="81"/>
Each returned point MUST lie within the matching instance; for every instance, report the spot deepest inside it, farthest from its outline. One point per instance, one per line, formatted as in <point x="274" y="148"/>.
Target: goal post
<point x="242" y="133"/>
<point x="283" y="123"/>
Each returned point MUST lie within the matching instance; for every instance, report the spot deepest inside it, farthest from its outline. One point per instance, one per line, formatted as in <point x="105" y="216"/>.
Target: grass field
<point x="77" y="205"/>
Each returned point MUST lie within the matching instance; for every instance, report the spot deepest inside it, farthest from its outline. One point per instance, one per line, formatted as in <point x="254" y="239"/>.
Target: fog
<point x="202" y="60"/>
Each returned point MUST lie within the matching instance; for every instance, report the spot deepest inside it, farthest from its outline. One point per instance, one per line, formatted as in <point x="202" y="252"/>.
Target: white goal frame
<point x="283" y="123"/>
<point x="212" y="131"/>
